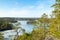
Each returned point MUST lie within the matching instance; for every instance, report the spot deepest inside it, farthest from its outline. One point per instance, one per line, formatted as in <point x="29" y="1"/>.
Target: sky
<point x="25" y="8"/>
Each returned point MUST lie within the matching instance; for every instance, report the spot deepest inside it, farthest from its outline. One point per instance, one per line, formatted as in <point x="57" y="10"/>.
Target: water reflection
<point x="27" y="27"/>
<point x="24" y="25"/>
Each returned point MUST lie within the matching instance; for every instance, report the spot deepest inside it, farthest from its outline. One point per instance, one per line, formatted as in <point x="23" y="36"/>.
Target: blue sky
<point x="25" y="8"/>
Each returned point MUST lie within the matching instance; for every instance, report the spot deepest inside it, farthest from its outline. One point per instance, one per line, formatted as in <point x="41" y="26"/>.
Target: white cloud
<point x="27" y="11"/>
<point x="14" y="13"/>
<point x="20" y="13"/>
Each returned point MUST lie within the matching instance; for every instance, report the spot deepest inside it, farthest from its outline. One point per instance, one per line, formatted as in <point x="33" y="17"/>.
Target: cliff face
<point x="51" y="37"/>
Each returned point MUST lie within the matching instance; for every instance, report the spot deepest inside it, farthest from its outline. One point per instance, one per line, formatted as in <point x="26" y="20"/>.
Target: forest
<point x="45" y="28"/>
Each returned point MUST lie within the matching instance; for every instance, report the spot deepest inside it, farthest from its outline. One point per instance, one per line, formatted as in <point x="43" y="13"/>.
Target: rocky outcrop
<point x="51" y="37"/>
